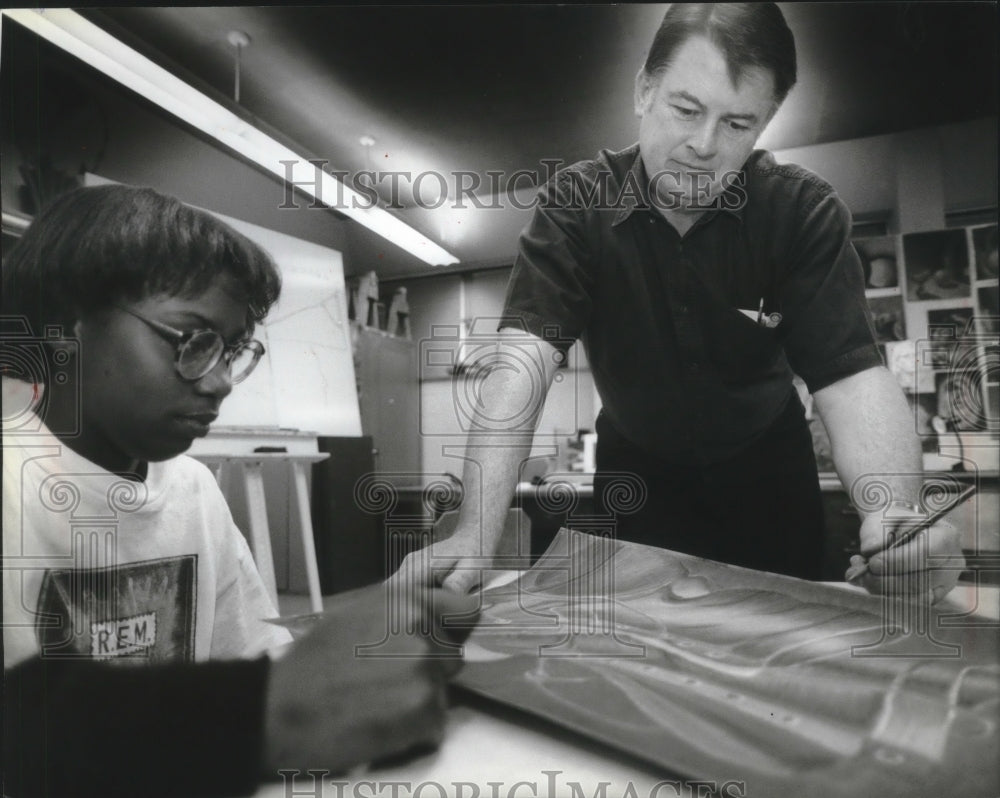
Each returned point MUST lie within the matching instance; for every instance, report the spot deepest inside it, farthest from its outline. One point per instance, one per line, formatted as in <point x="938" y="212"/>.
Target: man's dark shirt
<point x="681" y="372"/>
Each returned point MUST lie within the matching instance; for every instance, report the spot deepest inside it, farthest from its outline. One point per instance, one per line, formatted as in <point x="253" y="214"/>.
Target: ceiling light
<point x="71" y="32"/>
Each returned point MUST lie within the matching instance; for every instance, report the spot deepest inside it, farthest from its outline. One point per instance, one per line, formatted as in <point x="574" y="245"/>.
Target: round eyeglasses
<point x="199" y="351"/>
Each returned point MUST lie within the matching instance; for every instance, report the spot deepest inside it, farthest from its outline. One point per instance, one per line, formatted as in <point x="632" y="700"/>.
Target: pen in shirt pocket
<point x="768" y="320"/>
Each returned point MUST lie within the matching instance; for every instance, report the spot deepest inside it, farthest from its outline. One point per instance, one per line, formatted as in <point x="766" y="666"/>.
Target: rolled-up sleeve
<point x="550" y="289"/>
<point x="827" y="323"/>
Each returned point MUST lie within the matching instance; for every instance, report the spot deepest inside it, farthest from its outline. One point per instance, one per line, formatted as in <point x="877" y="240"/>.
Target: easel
<point x="249" y="468"/>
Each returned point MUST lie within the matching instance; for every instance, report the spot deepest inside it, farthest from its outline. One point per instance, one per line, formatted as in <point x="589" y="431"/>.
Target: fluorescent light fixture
<point x="71" y="32"/>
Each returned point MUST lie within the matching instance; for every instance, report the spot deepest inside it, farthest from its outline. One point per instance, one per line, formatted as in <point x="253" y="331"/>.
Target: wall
<point x="437" y="306"/>
<point x="915" y="176"/>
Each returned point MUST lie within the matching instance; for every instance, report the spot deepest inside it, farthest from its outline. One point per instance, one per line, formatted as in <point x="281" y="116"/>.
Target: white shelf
<point x="875" y="293"/>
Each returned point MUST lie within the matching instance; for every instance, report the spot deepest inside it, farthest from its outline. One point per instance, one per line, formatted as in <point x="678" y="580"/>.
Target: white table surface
<point x="486" y="745"/>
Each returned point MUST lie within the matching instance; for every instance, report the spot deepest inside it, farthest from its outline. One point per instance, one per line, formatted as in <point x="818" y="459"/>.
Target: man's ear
<point x="644" y="86"/>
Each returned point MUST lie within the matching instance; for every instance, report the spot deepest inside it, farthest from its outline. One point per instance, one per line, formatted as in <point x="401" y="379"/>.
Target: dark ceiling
<point x="503" y="87"/>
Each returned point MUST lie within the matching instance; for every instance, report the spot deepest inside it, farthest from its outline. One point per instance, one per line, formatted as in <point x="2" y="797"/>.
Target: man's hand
<point x="456" y="564"/>
<point x="928" y="565"/>
<point x="512" y="381"/>
<point x="367" y="682"/>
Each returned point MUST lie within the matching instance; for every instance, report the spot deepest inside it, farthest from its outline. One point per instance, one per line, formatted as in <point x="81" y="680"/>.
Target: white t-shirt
<point x="97" y="566"/>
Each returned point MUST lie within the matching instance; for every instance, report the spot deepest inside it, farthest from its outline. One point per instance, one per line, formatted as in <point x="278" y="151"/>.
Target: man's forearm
<point x="489" y="480"/>
<point x="873" y="438"/>
<point x="512" y="397"/>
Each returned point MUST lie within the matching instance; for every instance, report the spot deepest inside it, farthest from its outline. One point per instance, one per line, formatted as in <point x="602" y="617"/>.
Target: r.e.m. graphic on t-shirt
<point x="142" y="610"/>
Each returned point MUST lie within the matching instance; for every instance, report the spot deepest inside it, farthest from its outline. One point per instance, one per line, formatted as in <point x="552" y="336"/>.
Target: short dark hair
<point x="749" y="35"/>
<point x="93" y="247"/>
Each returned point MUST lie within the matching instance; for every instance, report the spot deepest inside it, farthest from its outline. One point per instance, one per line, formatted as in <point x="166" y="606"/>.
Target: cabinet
<point x="350" y="547"/>
<point x="388" y="398"/>
<point x="385" y="369"/>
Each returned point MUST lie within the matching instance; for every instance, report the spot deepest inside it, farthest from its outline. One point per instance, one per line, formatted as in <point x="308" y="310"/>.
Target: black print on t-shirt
<point x="140" y="611"/>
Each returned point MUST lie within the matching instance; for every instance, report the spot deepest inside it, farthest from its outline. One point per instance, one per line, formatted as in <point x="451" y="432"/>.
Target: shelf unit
<point x="933" y="297"/>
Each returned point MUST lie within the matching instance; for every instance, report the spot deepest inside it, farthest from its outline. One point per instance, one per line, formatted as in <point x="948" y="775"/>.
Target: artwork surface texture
<point x="717" y="672"/>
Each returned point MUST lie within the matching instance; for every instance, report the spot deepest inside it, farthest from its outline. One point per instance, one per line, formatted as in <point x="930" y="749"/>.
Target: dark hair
<point x="92" y="247"/>
<point x="749" y="35"/>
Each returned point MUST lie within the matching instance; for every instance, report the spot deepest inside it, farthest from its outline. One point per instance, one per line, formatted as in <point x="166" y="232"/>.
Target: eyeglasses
<point x="199" y="351"/>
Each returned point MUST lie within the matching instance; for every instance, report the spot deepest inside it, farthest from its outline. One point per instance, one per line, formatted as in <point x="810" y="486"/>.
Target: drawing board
<point x="716" y="672"/>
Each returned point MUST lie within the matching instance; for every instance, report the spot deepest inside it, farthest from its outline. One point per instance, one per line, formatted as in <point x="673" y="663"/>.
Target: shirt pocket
<point x="741" y="349"/>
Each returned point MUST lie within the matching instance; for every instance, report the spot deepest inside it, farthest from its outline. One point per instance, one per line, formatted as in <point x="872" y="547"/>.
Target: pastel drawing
<point x="716" y="672"/>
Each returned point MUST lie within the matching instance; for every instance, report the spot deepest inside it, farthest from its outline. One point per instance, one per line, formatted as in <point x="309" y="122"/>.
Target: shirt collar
<point x="637" y="175"/>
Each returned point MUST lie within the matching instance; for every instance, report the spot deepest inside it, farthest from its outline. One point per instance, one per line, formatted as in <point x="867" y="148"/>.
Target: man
<point x="700" y="275"/>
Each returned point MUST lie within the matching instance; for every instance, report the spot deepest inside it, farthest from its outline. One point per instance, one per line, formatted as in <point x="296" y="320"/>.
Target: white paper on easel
<point x="307" y="378"/>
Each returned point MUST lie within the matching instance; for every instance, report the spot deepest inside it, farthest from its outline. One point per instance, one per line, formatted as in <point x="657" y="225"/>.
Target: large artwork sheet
<point x="723" y="673"/>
